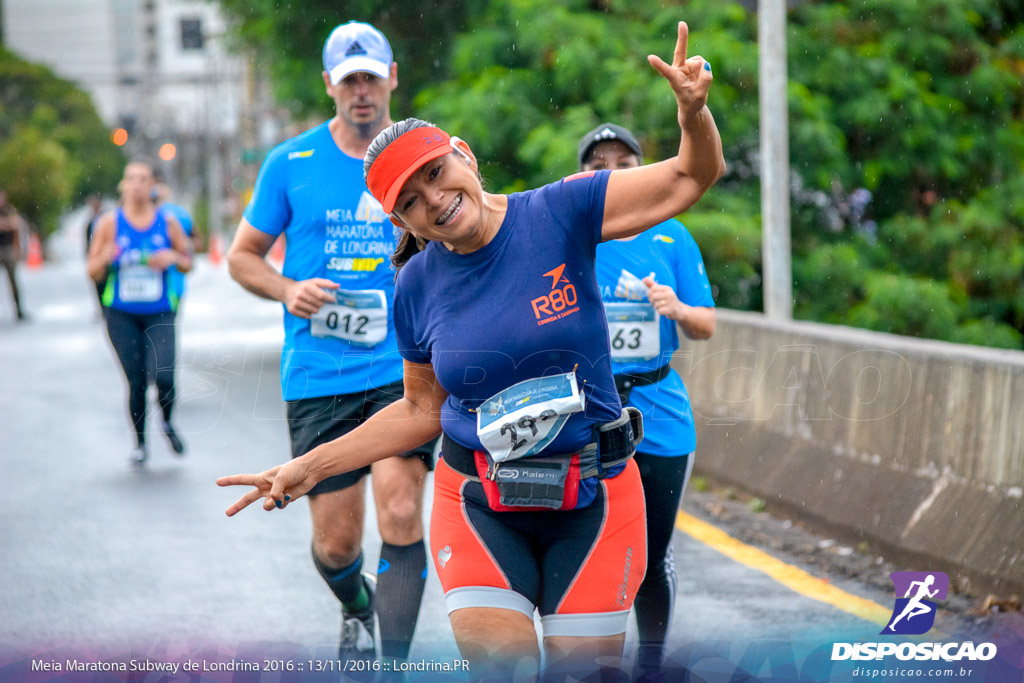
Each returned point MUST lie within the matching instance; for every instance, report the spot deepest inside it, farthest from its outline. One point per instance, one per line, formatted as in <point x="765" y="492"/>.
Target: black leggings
<point x="664" y="479"/>
<point x="145" y="347"/>
<point x="9" y="262"/>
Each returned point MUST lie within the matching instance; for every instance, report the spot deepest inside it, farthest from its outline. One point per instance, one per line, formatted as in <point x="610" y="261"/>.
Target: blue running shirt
<point x="669" y="252"/>
<point x="132" y="286"/>
<point x="314" y="193"/>
<point x="524" y="306"/>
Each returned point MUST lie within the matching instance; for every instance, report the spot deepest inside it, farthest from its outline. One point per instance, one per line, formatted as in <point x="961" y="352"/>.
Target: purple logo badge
<point x="917" y="595"/>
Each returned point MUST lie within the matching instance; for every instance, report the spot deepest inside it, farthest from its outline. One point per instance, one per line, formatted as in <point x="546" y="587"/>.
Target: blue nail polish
<point x="287" y="497"/>
<point x="707" y="66"/>
<point x="278" y="504"/>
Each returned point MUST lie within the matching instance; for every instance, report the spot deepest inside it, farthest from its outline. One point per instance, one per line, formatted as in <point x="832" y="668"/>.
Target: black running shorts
<point x="314" y="421"/>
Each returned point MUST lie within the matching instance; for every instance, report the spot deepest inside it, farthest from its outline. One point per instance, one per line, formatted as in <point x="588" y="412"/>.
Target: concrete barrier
<point x="914" y="445"/>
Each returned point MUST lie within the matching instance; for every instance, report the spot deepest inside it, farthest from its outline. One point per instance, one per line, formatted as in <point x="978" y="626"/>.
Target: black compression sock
<point x="401" y="576"/>
<point x="346" y="583"/>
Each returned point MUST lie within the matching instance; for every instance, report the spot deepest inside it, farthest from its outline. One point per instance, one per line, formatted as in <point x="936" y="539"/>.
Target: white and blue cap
<point x="356" y="46"/>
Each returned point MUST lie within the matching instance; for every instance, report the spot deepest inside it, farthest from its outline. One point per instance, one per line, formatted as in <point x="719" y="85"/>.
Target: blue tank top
<point x="134" y="287"/>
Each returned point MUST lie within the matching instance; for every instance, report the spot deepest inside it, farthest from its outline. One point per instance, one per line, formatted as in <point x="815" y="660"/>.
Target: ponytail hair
<point x="408" y="246"/>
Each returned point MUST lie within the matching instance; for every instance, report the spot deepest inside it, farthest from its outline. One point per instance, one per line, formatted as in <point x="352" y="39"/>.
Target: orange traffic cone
<point x="35" y="252"/>
<point x="216" y="253"/>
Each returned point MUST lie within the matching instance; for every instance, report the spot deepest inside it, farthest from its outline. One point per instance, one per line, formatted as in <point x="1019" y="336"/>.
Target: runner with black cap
<point x="537" y="501"/>
<point x="652" y="284"/>
<point x="340" y="363"/>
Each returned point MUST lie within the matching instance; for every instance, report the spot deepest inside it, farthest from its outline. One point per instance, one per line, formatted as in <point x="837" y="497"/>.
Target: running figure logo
<point x="914" y="612"/>
<point x="495" y="407"/>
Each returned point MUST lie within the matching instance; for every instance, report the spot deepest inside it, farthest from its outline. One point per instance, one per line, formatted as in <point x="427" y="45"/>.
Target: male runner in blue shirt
<point x="340" y="363"/>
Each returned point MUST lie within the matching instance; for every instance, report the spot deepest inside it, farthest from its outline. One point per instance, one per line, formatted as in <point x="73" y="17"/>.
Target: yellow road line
<point x="788" y="575"/>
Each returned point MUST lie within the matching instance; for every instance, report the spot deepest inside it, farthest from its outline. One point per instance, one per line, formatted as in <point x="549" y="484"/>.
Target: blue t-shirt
<point x="314" y="193"/>
<point x="175" y="277"/>
<point x="669" y="252"/>
<point x="524" y="306"/>
<point x="132" y="286"/>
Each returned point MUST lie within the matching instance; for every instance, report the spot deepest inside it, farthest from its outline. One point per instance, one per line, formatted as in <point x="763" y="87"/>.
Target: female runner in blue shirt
<point x="537" y="504"/>
<point x="649" y="283"/>
<point x="133" y="249"/>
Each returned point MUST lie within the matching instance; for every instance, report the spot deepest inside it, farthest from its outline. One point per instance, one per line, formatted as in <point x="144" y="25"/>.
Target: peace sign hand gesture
<point x="690" y="78"/>
<point x="277" y="486"/>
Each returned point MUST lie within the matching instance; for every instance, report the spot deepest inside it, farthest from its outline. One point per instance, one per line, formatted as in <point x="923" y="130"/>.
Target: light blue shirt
<point x="671" y="254"/>
<point x="314" y="193"/>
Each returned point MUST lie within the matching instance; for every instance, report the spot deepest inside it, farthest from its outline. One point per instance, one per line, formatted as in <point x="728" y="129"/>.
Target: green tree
<point x="35" y="174"/>
<point x="926" y="96"/>
<point x="829" y="282"/>
<point x="293" y="36"/>
<point x="920" y="103"/>
<point x="32" y="98"/>
<point x="533" y="75"/>
<point x="731" y="247"/>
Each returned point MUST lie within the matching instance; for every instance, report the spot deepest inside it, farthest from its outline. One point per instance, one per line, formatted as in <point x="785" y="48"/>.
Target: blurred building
<point x="160" y="69"/>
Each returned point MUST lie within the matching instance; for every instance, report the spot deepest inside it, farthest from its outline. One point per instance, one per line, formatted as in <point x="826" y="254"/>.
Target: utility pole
<point x="214" y="150"/>
<point x="775" y="242"/>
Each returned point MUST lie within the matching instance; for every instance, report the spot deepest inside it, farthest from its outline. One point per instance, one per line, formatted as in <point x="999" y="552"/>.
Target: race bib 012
<point x="358" y="317"/>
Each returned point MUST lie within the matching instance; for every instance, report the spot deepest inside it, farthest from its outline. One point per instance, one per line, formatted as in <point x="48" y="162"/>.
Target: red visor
<point x="401" y="159"/>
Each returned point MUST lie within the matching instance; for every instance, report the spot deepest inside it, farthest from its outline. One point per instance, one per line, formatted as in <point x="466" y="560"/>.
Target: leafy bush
<point x="988" y="332"/>
<point x="828" y="283"/>
<point x="35" y="173"/>
<point x="907" y="305"/>
<point x="731" y="247"/>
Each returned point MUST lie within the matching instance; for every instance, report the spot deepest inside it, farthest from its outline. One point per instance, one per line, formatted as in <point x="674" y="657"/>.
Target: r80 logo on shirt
<point x="557" y="303"/>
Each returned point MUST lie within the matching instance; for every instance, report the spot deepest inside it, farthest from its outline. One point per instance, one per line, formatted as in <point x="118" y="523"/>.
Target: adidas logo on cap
<point x="356" y="46"/>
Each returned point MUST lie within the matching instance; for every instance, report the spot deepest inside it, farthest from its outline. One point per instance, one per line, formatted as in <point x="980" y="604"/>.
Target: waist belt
<point x="612" y="443"/>
<point x="624" y="383"/>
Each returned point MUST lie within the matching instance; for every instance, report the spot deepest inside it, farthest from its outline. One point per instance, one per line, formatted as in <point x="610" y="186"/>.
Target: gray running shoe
<point x="359" y="630"/>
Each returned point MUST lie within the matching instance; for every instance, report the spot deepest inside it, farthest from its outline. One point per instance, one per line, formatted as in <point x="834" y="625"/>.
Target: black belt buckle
<point x="617" y="440"/>
<point x="636" y="424"/>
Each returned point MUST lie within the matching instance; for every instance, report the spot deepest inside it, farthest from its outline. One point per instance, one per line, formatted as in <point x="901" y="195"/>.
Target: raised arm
<point x="641" y="197"/>
<point x="405" y="424"/>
